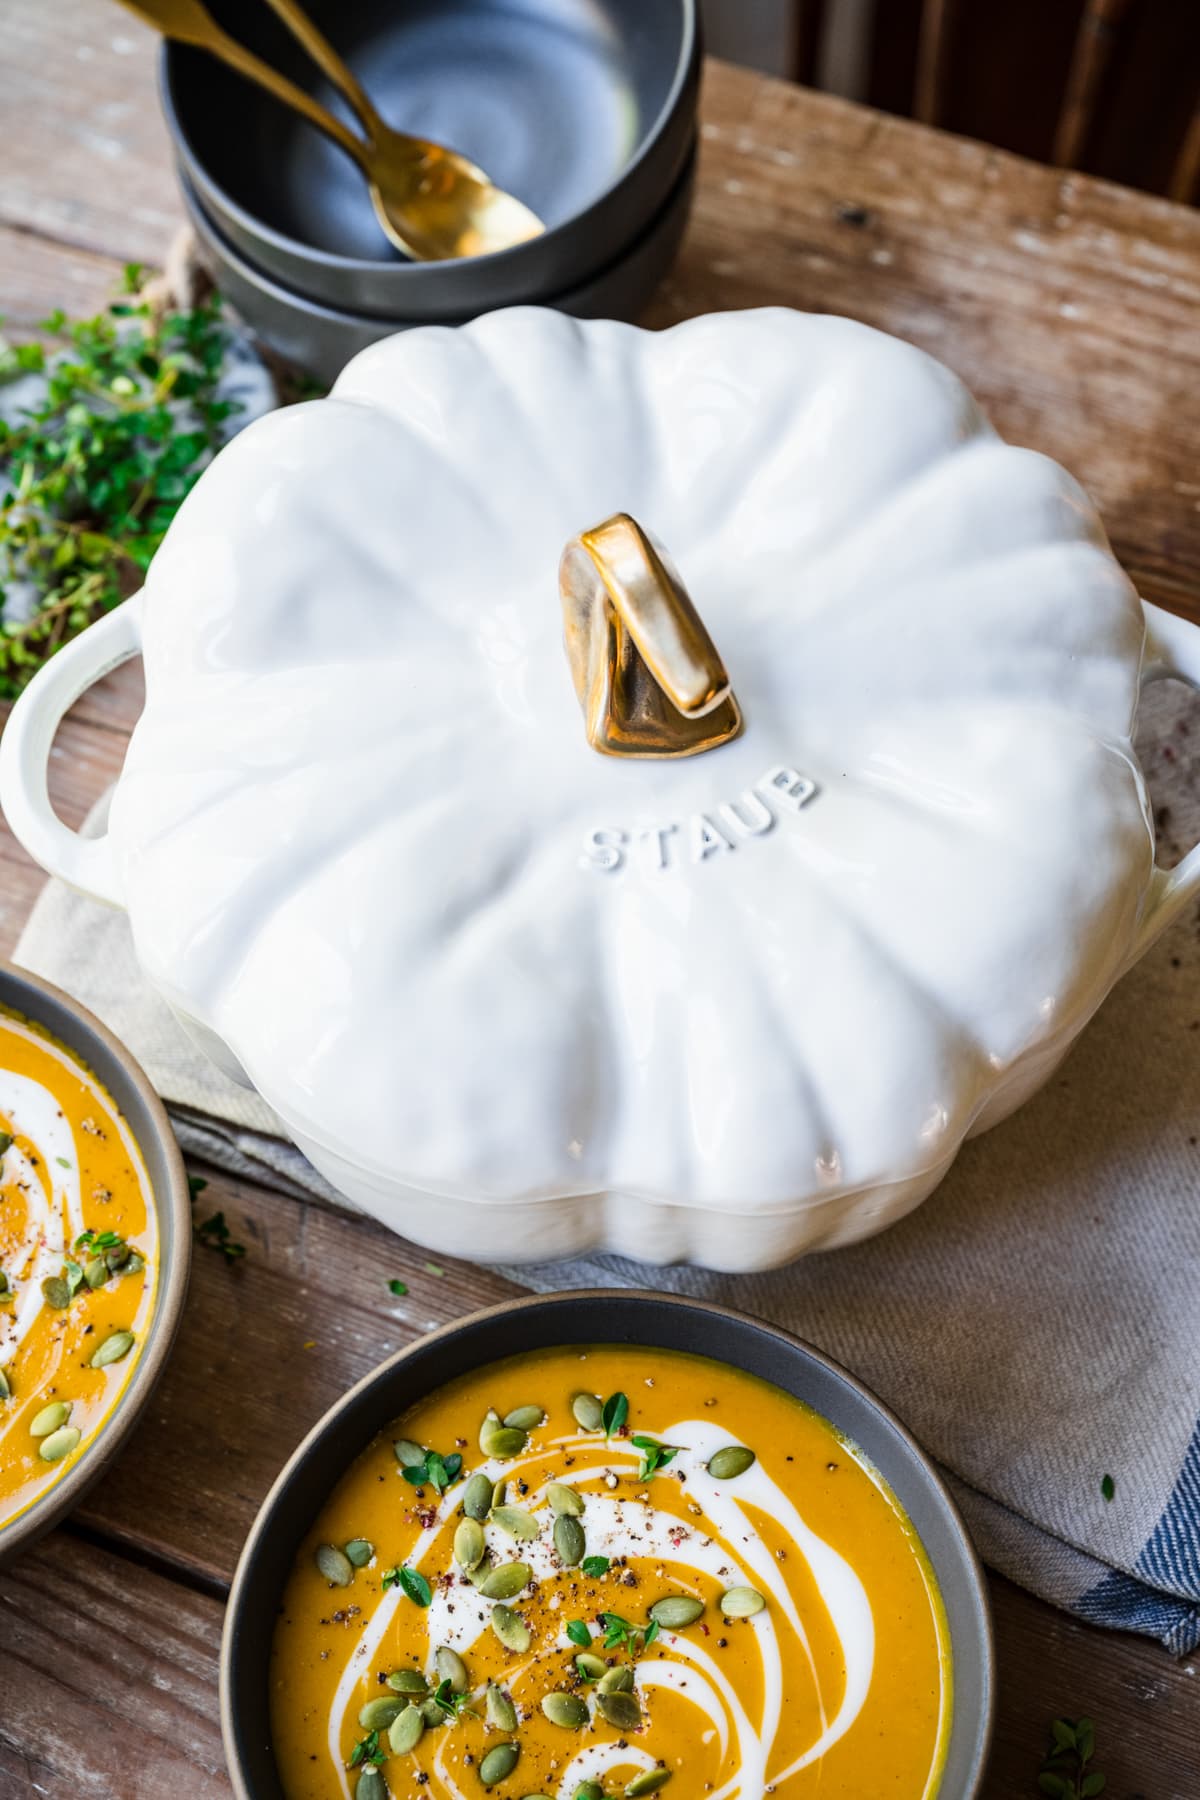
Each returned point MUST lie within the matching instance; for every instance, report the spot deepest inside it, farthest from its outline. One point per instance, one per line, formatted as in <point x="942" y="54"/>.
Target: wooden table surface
<point x="1072" y="308"/>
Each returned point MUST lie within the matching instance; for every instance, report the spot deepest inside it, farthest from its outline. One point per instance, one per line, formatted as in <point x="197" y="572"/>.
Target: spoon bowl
<point x="585" y="108"/>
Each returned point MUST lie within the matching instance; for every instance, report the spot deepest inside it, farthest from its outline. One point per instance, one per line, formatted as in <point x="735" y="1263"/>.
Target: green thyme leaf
<point x="397" y="1287"/>
<point x="1108" y="1487"/>
<point x="93" y="469"/>
<point x="579" y="1634"/>
<point x="367" y="1750"/>
<point x="616" y="1411"/>
<point x="655" y="1456"/>
<point x="414" y="1585"/>
<point x="595" y="1566"/>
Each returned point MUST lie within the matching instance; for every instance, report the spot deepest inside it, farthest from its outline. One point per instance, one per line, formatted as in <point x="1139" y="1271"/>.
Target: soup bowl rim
<point x="372" y="1398"/>
<point x="76" y="1029"/>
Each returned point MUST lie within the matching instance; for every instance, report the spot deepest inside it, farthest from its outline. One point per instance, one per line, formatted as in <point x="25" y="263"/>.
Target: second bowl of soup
<point x="604" y="1564"/>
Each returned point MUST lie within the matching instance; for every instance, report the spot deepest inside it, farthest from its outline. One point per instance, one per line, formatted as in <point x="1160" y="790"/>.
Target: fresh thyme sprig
<point x="93" y="470"/>
<point x="1064" y="1773"/>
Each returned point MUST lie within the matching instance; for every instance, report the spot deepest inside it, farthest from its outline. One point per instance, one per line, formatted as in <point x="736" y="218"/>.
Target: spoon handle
<point x="332" y="66"/>
<point x="194" y="24"/>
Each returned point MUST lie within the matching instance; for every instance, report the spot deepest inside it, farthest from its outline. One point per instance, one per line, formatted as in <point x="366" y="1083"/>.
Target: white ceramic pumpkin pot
<point x="519" y="995"/>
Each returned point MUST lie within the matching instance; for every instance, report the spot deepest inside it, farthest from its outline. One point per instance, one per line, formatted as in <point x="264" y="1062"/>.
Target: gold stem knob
<point x="648" y="675"/>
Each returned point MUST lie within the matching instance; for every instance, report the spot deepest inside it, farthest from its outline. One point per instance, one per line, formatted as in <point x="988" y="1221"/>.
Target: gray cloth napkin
<point x="1036" y="1323"/>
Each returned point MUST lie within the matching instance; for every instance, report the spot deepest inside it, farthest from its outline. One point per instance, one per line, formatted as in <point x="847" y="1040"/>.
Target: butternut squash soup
<point x="78" y="1260"/>
<point x="588" y="1573"/>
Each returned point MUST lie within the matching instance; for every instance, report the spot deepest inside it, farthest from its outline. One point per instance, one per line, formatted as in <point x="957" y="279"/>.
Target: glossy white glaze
<point x="521" y="999"/>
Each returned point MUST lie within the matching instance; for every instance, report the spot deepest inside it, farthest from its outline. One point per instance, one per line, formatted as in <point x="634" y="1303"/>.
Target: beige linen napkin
<point x="1036" y="1322"/>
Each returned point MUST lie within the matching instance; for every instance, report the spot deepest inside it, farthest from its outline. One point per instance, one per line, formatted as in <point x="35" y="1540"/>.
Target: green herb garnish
<point x="655" y="1456"/>
<point x="1064" y="1772"/>
<point x="579" y="1634"/>
<point x="215" y="1234"/>
<point x="1108" y="1487"/>
<point x="367" y="1751"/>
<point x="595" y="1566"/>
<point x="452" y="1703"/>
<point x="397" y="1287"/>
<point x="616" y="1411"/>
<point x="93" y="472"/>
<point x="412" y="1581"/>
<point x="436" y="1471"/>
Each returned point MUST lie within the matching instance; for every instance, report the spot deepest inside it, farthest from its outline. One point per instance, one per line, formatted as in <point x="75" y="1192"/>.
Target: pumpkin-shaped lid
<point x="397" y="827"/>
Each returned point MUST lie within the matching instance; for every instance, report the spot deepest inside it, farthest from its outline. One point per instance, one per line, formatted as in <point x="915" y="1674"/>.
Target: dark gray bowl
<point x="585" y="109"/>
<point x="110" y="1061"/>
<point x="323" y="338"/>
<point x="615" y="1316"/>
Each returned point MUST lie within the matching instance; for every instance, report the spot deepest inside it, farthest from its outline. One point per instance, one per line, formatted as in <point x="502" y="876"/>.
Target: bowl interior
<point x="554" y="98"/>
<point x="128" y="1086"/>
<point x="580" y="1318"/>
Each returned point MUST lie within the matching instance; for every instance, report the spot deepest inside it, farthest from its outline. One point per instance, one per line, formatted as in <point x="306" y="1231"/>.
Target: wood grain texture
<point x="1070" y="307"/>
<point x="107" y="1676"/>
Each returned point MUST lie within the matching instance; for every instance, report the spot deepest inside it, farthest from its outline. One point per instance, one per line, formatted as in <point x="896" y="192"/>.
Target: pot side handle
<point x="84" y="863"/>
<point x="1172" y="649"/>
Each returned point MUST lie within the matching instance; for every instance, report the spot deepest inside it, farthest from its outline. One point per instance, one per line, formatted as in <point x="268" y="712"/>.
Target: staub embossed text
<point x="697" y="836"/>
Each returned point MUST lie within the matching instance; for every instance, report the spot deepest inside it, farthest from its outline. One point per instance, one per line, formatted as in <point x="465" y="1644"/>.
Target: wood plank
<point x="108" y="1674"/>
<point x="86" y="157"/>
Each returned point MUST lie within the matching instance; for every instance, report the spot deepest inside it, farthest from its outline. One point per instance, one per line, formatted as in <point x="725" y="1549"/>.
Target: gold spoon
<point x="432" y="203"/>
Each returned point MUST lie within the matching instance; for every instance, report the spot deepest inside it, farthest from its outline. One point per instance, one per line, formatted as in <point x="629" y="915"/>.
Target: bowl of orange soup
<point x="598" y="1545"/>
<point x="95" y="1247"/>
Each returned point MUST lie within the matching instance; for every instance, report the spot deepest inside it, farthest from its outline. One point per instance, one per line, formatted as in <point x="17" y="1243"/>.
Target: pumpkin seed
<point x="511" y="1629"/>
<point x="620" y="1709"/>
<point x="569" y="1540"/>
<point x="591" y="1667"/>
<point x="498" y="1764"/>
<point x="359" y="1552"/>
<point x="136" y="1264"/>
<point x="116" y="1345"/>
<point x="491" y="1420"/>
<point x="370" y="1785"/>
<point x="56" y="1293"/>
<point x="95" y="1271"/>
<point x="675" y="1611"/>
<point x="730" y="1460"/>
<point x="588" y="1412"/>
<point x="3" y="1282"/>
<point x="477" y="1497"/>
<point x="452" y="1668"/>
<point x="516" y="1522"/>
<point x="50" y="1418"/>
<point x="60" y="1443"/>
<point x="499" y="1709"/>
<point x="408" y="1454"/>
<point x="118" y="1256"/>
<point x="408" y="1681"/>
<point x="525" y="1418"/>
<point x="564" y="1501"/>
<point x="499" y="1494"/>
<point x="503" y="1442"/>
<point x="334" y="1565"/>
<point x="408" y="1728"/>
<point x="469" y="1544"/>
<point x="430" y="1711"/>
<point x="378" y="1714"/>
<point x="648" y="1782"/>
<point x="566" y="1710"/>
<point x="5" y="1390"/>
<point x="506" y="1581"/>
<point x="483" y="1568"/>
<point x="588" y="1790"/>
<point x="741" y="1602"/>
<point x="618" y="1680"/>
